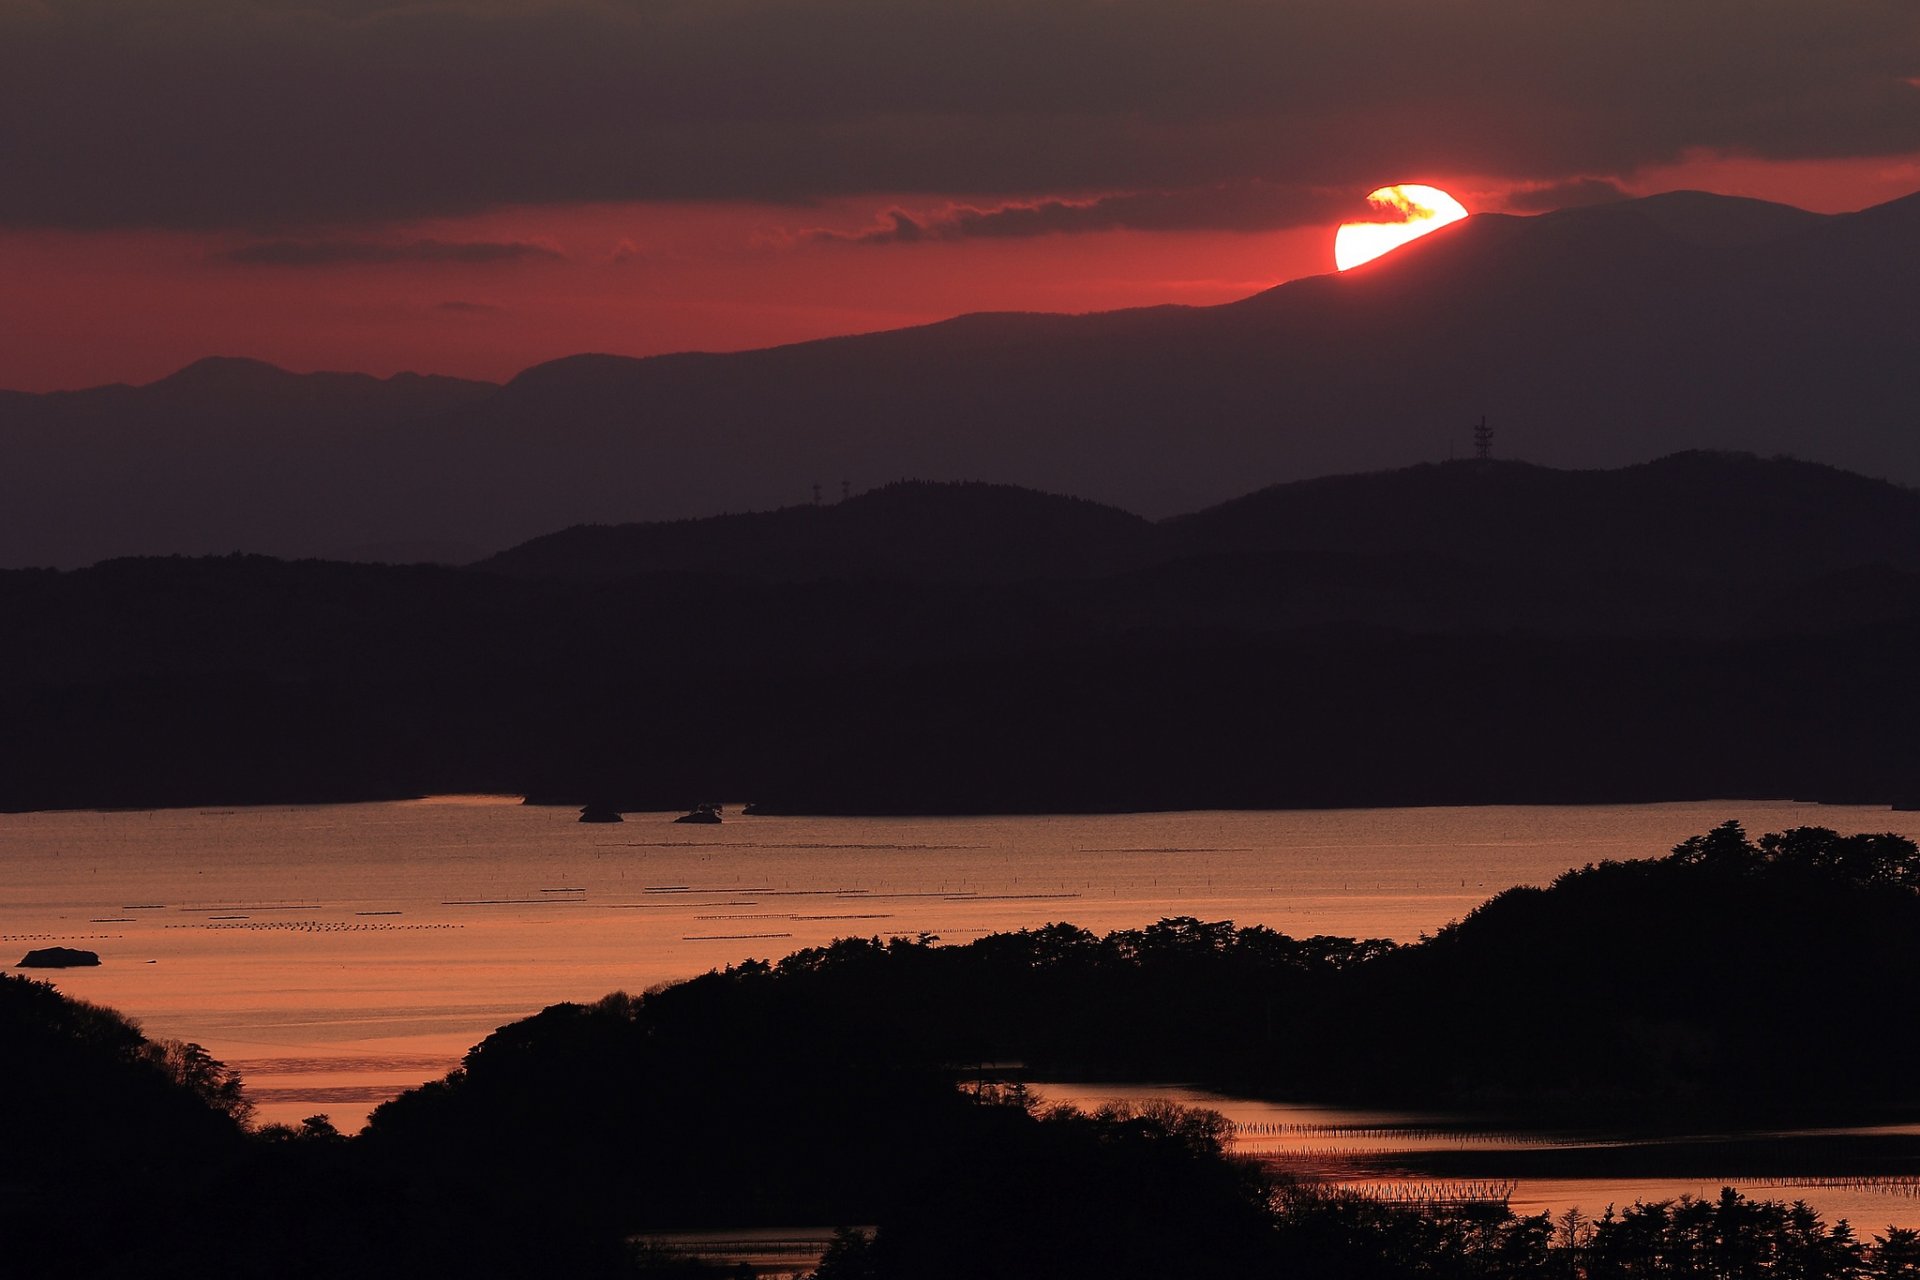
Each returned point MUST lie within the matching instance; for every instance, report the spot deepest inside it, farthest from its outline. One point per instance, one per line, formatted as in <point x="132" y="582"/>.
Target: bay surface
<point x="339" y="954"/>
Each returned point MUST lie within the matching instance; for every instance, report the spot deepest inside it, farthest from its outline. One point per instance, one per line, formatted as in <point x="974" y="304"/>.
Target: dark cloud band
<point x="1247" y="207"/>
<point x="268" y="114"/>
<point x="1566" y="195"/>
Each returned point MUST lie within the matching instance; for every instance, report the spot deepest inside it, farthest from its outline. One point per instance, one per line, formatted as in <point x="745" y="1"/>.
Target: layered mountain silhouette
<point x="1703" y="625"/>
<point x="1593" y="337"/>
<point x="1705" y="516"/>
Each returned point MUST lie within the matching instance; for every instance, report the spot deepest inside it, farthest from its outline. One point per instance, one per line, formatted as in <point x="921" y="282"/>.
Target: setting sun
<point x="1410" y="211"/>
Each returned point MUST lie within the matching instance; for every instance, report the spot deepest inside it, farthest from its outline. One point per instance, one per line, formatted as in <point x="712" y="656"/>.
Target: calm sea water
<point x="339" y="954"/>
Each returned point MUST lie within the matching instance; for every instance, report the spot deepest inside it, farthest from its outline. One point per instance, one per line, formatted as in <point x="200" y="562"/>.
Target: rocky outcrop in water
<point x="58" y="958"/>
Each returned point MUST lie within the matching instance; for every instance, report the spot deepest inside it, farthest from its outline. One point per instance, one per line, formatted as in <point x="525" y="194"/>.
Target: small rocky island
<point x="58" y="958"/>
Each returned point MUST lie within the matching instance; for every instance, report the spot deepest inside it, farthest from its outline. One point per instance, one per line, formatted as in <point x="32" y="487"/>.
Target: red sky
<point x="475" y="187"/>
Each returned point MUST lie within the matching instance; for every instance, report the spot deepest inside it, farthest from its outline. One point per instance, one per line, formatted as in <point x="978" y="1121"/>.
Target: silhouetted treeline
<point x="1733" y="977"/>
<point x="1314" y="1232"/>
<point x="103" y="1133"/>
<point x="1255" y="664"/>
<point x="1537" y="536"/>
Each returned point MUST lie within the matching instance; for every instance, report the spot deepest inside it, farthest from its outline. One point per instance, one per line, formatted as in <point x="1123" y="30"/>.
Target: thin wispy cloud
<point x="1245" y="207"/>
<point x="1566" y="195"/>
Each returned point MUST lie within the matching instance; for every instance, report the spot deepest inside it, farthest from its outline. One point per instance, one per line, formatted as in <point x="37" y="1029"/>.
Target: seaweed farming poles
<point x="1436" y="1194"/>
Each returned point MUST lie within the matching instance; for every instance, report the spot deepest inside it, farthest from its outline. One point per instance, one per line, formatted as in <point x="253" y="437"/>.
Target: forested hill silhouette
<point x="1591" y="337"/>
<point x="912" y="531"/>
<point x="1717" y="518"/>
<point x="1720" y="516"/>
<point x="1642" y="992"/>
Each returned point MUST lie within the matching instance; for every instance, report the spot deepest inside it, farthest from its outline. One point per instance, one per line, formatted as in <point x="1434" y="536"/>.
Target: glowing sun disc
<point x="1415" y="211"/>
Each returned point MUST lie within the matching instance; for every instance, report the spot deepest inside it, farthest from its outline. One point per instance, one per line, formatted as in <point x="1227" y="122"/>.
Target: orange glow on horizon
<point x="1414" y="211"/>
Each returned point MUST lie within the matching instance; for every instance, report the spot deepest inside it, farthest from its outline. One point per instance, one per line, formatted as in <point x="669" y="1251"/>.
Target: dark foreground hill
<point x="1590" y="337"/>
<point x="1500" y="634"/>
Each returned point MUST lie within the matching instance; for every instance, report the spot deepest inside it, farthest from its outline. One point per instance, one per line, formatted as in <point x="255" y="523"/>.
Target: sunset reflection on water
<point x="340" y="954"/>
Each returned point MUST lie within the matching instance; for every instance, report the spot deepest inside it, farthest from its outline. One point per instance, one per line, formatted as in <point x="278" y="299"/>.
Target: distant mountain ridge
<point x="1697" y="514"/>
<point x="225" y="455"/>
<point x="1721" y="517"/>
<point x="910" y="530"/>
<point x="1591" y="337"/>
<point x="1704" y="218"/>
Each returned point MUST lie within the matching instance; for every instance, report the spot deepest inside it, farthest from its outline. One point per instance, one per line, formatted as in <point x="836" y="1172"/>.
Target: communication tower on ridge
<point x="1483" y="440"/>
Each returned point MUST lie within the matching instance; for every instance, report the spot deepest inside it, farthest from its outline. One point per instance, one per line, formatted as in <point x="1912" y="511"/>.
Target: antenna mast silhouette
<point x="1483" y="440"/>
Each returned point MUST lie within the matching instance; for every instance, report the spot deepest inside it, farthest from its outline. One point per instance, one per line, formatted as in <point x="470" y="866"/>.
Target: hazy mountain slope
<point x="1590" y="337"/>
<point x="1593" y="338"/>
<point x="1703" y="218"/>
<point x="224" y="455"/>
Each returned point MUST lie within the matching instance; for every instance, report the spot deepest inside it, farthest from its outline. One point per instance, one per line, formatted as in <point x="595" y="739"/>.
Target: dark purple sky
<point x="467" y="186"/>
